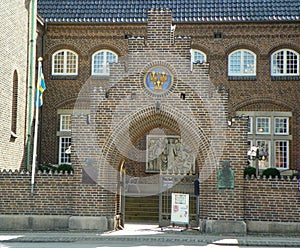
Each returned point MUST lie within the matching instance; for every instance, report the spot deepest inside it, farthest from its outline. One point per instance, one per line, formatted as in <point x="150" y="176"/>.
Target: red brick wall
<point x="53" y="195"/>
<point x="258" y="200"/>
<point x="272" y="200"/>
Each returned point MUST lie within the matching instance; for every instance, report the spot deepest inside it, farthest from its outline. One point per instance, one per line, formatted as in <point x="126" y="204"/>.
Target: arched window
<point x="284" y="62"/>
<point x="101" y="60"/>
<point x="14" y="112"/>
<point x="64" y="62"/>
<point x="242" y="63"/>
<point x="198" y="56"/>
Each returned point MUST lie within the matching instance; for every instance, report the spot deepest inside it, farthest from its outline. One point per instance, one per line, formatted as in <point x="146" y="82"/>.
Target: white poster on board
<point x="180" y="208"/>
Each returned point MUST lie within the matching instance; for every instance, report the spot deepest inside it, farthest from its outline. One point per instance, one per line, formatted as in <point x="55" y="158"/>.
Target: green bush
<point x="46" y="167"/>
<point x="295" y="175"/>
<point x="271" y="172"/>
<point x="65" y="168"/>
<point x="62" y="167"/>
<point x="249" y="171"/>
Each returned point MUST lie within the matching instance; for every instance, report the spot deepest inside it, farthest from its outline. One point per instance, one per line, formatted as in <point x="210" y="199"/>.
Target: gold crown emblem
<point x="158" y="79"/>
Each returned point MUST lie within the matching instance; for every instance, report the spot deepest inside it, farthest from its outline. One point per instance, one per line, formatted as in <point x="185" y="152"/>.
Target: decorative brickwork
<point x="112" y="115"/>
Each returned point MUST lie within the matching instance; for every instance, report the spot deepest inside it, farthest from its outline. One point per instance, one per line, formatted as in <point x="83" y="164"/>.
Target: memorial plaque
<point x="226" y="176"/>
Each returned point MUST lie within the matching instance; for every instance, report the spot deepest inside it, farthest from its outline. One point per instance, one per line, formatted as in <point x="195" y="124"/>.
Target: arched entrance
<point x="143" y="193"/>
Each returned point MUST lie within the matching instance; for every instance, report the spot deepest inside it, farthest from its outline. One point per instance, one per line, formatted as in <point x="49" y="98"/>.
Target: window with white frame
<point x="270" y="131"/>
<point x="281" y="154"/>
<point x="64" y="62"/>
<point x="65" y="123"/>
<point x="242" y="63"/>
<point x="281" y="126"/>
<point x="262" y="125"/>
<point x="250" y="125"/>
<point x="64" y="145"/>
<point x="101" y="60"/>
<point x="64" y="134"/>
<point x="285" y="62"/>
<point x="264" y="163"/>
<point x="198" y="56"/>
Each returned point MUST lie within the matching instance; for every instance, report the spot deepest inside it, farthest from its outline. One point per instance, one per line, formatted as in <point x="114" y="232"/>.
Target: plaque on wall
<point x="168" y="154"/>
<point x="226" y="176"/>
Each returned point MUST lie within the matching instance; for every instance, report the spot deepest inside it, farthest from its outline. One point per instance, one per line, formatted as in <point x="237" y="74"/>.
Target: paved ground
<point x="149" y="235"/>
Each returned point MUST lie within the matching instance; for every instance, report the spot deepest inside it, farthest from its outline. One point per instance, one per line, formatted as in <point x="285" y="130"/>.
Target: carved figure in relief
<point x="170" y="155"/>
<point x="152" y="160"/>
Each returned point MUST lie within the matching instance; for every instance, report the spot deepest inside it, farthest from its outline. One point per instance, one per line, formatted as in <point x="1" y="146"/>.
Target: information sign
<point x="180" y="209"/>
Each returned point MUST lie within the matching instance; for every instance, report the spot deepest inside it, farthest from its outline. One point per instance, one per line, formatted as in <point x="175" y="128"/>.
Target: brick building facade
<point x="215" y="86"/>
<point x="259" y="91"/>
<point x="14" y="65"/>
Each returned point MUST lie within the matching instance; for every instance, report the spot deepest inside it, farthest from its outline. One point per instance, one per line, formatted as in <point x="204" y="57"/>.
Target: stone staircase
<point x="144" y="209"/>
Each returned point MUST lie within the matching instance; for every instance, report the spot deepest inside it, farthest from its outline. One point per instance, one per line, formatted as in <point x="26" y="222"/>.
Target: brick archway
<point x="138" y="124"/>
<point x="120" y="145"/>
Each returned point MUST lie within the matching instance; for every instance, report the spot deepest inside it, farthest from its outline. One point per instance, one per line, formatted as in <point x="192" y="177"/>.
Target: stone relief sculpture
<point x="168" y="154"/>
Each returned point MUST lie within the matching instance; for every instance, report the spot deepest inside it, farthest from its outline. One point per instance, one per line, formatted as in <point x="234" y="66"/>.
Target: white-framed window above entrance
<point x="65" y="63"/>
<point x="64" y="136"/>
<point x="101" y="60"/>
<point x="270" y="131"/>
<point x="285" y="62"/>
<point x="242" y="62"/>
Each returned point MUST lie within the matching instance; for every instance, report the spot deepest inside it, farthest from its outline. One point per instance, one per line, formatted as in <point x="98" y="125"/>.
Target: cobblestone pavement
<point x="150" y="235"/>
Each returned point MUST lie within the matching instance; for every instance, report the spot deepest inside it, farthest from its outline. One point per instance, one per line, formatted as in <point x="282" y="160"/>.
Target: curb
<point x="150" y="239"/>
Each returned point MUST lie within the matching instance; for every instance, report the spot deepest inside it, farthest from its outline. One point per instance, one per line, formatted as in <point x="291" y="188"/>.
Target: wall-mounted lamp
<point x="257" y="153"/>
<point x="68" y="151"/>
<point x="182" y="96"/>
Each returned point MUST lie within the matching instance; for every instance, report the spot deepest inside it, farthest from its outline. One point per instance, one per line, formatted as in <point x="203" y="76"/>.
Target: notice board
<point x="180" y="208"/>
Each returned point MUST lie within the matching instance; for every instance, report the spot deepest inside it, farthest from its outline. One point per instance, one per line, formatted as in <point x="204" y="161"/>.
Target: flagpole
<point x="33" y="167"/>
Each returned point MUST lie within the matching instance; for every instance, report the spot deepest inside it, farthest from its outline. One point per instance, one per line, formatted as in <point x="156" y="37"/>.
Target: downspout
<point x="32" y="45"/>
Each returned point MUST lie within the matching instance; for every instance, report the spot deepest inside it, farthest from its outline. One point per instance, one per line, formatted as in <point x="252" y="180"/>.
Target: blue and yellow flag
<point x="41" y="87"/>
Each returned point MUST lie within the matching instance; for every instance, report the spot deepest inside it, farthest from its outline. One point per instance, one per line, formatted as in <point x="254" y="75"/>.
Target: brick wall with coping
<point x="262" y="199"/>
<point x="54" y="194"/>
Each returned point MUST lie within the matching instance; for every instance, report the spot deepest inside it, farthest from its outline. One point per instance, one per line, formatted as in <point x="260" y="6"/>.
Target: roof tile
<point x="183" y="10"/>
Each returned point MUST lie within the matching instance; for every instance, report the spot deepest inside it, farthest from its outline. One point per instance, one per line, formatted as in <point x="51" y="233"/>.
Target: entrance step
<point x="142" y="209"/>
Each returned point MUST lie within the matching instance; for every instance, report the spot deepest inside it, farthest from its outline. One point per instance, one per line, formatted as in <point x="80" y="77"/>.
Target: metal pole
<point x="36" y="126"/>
<point x="31" y="78"/>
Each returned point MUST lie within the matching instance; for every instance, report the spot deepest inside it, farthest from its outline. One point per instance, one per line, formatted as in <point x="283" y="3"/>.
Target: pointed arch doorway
<point x="145" y="195"/>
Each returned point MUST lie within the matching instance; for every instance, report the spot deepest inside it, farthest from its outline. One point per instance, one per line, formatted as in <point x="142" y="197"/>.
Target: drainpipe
<point x="32" y="44"/>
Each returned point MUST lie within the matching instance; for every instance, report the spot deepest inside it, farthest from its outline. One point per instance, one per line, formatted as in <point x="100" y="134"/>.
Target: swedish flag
<point x="41" y="87"/>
